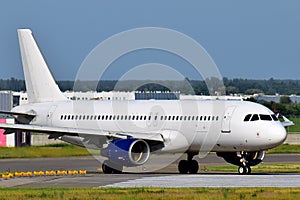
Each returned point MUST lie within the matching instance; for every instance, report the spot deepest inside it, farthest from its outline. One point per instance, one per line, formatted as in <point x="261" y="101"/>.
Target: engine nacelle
<point x="239" y="158"/>
<point x="128" y="152"/>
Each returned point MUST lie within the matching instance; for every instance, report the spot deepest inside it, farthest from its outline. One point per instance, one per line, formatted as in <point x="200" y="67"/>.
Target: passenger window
<point x="177" y="118"/>
<point x="265" y="117"/>
<point x="208" y="118"/>
<point x="161" y="117"/>
<point x="247" y="118"/>
<point x="274" y="117"/>
<point x="181" y="118"/>
<point x="254" y="117"/>
<point x="61" y="117"/>
<point x="212" y="118"/>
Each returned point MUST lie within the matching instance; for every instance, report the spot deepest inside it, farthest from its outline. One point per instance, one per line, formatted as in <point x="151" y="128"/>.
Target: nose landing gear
<point x="244" y="170"/>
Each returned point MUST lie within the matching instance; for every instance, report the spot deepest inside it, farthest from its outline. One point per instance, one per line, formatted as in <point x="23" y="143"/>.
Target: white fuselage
<point x="187" y="125"/>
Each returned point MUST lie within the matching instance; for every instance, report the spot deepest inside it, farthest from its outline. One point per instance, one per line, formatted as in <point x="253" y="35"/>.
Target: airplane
<point x="128" y="132"/>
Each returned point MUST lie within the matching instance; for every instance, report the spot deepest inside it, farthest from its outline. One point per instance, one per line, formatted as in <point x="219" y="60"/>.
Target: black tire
<point x="242" y="170"/>
<point x="111" y="168"/>
<point x="193" y="167"/>
<point x="248" y="170"/>
<point x="183" y="167"/>
<point x="106" y="168"/>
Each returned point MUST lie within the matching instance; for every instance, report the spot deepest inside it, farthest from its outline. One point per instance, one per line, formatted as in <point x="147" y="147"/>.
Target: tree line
<point x="232" y="86"/>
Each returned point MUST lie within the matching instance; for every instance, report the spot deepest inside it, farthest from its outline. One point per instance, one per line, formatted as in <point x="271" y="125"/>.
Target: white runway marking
<point x="213" y="181"/>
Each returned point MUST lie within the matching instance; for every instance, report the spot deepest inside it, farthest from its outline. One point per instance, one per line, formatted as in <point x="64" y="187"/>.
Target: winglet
<point x="40" y="84"/>
<point x="286" y="122"/>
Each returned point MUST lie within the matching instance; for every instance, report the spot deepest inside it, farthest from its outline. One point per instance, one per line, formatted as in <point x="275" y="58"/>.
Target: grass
<point x="285" y="148"/>
<point x="296" y="127"/>
<point x="151" y="193"/>
<point x="56" y="150"/>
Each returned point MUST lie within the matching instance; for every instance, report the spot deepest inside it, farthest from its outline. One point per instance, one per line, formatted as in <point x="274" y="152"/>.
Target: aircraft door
<point x="50" y="115"/>
<point x="227" y="119"/>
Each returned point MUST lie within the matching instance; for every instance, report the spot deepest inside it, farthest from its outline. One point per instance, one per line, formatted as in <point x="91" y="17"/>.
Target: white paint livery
<point x="131" y="130"/>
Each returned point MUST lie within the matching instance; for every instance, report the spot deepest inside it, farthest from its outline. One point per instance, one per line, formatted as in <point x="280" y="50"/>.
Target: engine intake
<point x="128" y="152"/>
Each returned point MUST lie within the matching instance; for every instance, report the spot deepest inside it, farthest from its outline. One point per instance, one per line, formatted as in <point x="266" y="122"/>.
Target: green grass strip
<point x="151" y="193"/>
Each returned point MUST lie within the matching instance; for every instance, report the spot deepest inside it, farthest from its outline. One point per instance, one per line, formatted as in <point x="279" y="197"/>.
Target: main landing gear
<point x="188" y="166"/>
<point x="111" y="168"/>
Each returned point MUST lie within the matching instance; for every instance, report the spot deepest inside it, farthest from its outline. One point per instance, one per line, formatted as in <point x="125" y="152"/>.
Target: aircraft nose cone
<point x="278" y="135"/>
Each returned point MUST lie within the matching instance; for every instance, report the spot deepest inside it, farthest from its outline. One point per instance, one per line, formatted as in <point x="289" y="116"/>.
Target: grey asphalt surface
<point x="166" y="177"/>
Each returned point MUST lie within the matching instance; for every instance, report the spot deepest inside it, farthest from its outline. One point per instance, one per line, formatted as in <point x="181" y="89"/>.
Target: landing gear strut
<point x="244" y="167"/>
<point x="188" y="166"/>
<point x="111" y="168"/>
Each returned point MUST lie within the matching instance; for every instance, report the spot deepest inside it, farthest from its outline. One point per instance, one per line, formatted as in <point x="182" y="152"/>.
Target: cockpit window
<point x="254" y="117"/>
<point x="274" y="117"/>
<point x="265" y="117"/>
<point x="247" y="118"/>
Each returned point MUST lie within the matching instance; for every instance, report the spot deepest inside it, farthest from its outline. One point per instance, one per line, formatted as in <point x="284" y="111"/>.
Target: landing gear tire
<point x="110" y="168"/>
<point x="186" y="166"/>
<point x="193" y="167"/>
<point x="244" y="170"/>
<point x="183" y="167"/>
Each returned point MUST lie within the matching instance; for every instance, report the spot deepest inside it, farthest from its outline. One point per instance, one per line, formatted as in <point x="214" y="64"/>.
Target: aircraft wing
<point x="55" y="132"/>
<point x="21" y="117"/>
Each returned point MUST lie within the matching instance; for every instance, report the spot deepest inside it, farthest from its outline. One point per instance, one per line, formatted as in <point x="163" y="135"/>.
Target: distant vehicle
<point x="240" y="131"/>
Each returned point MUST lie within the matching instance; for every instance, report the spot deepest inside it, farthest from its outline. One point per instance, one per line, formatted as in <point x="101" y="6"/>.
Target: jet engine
<point x="242" y="158"/>
<point x="128" y="152"/>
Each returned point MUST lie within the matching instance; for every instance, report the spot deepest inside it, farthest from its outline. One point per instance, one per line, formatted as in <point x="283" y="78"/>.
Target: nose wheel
<point x="244" y="170"/>
<point x="188" y="166"/>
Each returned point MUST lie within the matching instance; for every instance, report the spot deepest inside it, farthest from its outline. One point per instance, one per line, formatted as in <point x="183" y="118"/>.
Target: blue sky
<point x="254" y="40"/>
